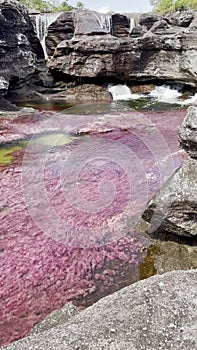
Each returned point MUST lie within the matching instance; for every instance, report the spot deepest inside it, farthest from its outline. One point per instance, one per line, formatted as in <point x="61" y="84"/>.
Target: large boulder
<point x="188" y="132"/>
<point x="18" y="47"/>
<point x="157" y="313"/>
<point x="157" y="47"/>
<point x="174" y="208"/>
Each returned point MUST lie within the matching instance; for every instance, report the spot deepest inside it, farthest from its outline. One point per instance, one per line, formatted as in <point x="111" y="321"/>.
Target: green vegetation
<point x="50" y="5"/>
<point x="164" y="6"/>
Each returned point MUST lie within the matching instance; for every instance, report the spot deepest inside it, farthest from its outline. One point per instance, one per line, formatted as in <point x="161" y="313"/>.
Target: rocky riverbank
<point x="173" y="211"/>
<point x="157" y="313"/>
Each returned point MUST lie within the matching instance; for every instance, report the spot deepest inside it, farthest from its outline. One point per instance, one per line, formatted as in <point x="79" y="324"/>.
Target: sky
<point x="119" y="6"/>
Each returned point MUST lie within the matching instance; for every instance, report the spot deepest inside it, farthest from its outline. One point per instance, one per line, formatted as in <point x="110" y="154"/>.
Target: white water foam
<point x="162" y="93"/>
<point x="190" y="101"/>
<point x="165" y="94"/>
<point x="104" y="21"/>
<point x="122" y="92"/>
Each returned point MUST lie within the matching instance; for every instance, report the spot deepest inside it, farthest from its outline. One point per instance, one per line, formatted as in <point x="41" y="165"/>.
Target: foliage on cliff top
<point x="50" y="5"/>
<point x="164" y="6"/>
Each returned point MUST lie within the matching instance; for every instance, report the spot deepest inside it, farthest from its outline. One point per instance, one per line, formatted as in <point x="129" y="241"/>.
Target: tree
<point x="164" y="6"/>
<point x="80" y="5"/>
<point x="47" y="6"/>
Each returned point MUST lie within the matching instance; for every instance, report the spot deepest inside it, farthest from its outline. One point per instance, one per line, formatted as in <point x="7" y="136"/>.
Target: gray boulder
<point x="174" y="208"/>
<point x="157" y="313"/>
<point x="188" y="132"/>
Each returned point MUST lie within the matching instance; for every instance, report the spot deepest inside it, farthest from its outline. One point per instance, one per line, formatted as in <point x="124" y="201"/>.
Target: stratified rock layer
<point x="18" y="47"/>
<point x="153" y="314"/>
<point x="156" y="47"/>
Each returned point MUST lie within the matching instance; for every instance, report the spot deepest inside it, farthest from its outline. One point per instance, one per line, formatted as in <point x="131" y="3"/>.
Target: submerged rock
<point x="152" y="314"/>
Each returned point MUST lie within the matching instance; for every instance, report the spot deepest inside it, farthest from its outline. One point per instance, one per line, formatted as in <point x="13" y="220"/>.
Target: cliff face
<point x="19" y="47"/>
<point x="144" y="47"/>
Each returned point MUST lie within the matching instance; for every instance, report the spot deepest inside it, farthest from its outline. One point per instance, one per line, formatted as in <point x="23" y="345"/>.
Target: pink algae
<point x="40" y="271"/>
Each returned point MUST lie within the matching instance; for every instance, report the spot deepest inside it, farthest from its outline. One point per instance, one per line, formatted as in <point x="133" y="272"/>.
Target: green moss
<point x="6" y="153"/>
<point x="147" y="267"/>
<point x="56" y="139"/>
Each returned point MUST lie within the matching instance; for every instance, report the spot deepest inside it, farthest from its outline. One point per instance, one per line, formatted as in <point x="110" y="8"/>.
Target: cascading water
<point x="122" y="92"/>
<point x="104" y="21"/>
<point x="132" y="24"/>
<point x="42" y="22"/>
<point x="165" y="94"/>
<point x="91" y="22"/>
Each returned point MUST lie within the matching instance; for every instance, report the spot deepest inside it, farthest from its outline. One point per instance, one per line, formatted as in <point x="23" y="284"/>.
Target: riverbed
<point x="74" y="183"/>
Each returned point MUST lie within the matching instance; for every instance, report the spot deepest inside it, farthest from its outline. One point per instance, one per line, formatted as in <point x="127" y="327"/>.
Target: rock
<point x="155" y="50"/>
<point x="88" y="23"/>
<point x="120" y="25"/>
<point x="152" y="314"/>
<point x="84" y="93"/>
<point x="188" y="132"/>
<point x="18" y="44"/>
<point x="61" y="29"/>
<point x="55" y="318"/>
<point x="174" y="208"/>
<point x="7" y="106"/>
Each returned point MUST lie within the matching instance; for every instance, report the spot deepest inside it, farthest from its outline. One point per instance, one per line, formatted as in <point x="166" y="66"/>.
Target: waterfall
<point x="122" y="92"/>
<point x="42" y="22"/>
<point x="132" y="24"/>
<point x="104" y="21"/>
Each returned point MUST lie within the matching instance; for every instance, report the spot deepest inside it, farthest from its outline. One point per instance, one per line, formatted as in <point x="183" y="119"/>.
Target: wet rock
<point x="188" y="132"/>
<point x="7" y="106"/>
<point x="18" y="44"/>
<point x="61" y="29"/>
<point x="120" y="25"/>
<point x="84" y="93"/>
<point x="151" y="314"/>
<point x="174" y="208"/>
<point x="88" y="23"/>
<point x="155" y="50"/>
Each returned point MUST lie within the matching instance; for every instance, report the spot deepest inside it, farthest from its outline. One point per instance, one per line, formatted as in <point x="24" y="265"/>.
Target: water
<point x="122" y="92"/>
<point x="160" y="98"/>
<point x="165" y="94"/>
<point x="43" y="21"/>
<point x="132" y="24"/>
<point x="104" y="21"/>
<point x="70" y="200"/>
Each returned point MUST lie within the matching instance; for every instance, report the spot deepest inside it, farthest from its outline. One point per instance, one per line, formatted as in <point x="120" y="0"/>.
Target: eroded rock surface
<point x="18" y="48"/>
<point x="152" y="314"/>
<point x="188" y="132"/>
<point x="148" y="47"/>
<point x="174" y="208"/>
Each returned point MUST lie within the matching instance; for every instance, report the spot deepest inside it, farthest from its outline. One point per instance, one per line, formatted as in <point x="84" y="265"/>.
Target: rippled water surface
<point x="73" y="187"/>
